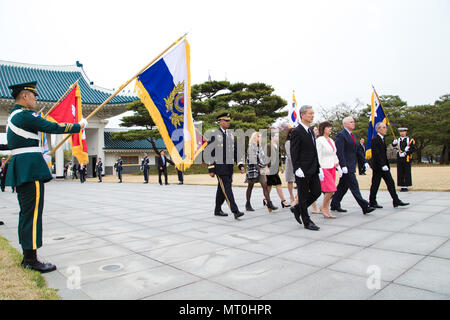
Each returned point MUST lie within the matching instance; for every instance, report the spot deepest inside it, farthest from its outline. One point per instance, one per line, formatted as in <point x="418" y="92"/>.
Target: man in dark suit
<point x="162" y="167"/>
<point x="223" y="155"/>
<point x="347" y="152"/>
<point x="305" y="161"/>
<point x="145" y="164"/>
<point x="381" y="169"/>
<point x="361" y="162"/>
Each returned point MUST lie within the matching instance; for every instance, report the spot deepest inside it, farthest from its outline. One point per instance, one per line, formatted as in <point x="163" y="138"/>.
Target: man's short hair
<point x="303" y="109"/>
<point x="346" y="119"/>
<point x="378" y="125"/>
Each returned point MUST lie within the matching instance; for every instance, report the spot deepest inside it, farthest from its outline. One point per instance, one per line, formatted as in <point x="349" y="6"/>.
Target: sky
<point x="328" y="51"/>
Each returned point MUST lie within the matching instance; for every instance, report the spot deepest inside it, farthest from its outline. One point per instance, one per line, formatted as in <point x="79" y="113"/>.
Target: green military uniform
<point x="28" y="170"/>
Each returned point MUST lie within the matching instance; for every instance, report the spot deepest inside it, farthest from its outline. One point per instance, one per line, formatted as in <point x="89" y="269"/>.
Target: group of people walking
<point x="312" y="161"/>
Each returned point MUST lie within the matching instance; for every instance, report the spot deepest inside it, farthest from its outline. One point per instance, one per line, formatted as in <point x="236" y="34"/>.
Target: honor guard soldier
<point x="99" y="169"/>
<point x="27" y="168"/>
<point x="405" y="147"/>
<point x="225" y="147"/>
<point x="145" y="164"/>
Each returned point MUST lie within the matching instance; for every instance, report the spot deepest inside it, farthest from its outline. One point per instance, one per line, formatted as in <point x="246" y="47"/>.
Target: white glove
<point x="344" y="170"/>
<point x="407" y="149"/>
<point x="339" y="171"/>
<point x="395" y="142"/>
<point x="385" y="168"/>
<point x="366" y="166"/>
<point x="83" y="121"/>
<point x="299" y="173"/>
<point x="321" y="175"/>
<point x="402" y="154"/>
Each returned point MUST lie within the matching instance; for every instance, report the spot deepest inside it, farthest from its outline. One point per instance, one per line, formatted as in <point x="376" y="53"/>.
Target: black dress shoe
<point x="38" y="266"/>
<point x="238" y="214"/>
<point x="311" y="226"/>
<point x="221" y="214"/>
<point x="404" y="190"/>
<point x="338" y="209"/>
<point x="400" y="204"/>
<point x="296" y="213"/>
<point x="368" y="210"/>
<point x="1" y="223"/>
<point x="376" y="206"/>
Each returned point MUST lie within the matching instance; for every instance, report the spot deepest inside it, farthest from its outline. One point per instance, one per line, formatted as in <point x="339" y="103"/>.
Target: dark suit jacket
<point x="304" y="152"/>
<point x="226" y="149"/>
<point x="379" y="156"/>
<point x="346" y="151"/>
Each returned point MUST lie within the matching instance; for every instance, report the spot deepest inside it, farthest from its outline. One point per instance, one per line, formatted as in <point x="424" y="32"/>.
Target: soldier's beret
<point x="224" y="116"/>
<point x="16" y="88"/>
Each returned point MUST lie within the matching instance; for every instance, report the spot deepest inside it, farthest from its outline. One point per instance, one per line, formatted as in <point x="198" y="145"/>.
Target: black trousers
<point x="119" y="174"/>
<point x="145" y="173"/>
<point x="308" y="190"/>
<point x="180" y="176"/>
<point x="164" y="170"/>
<point x="99" y="174"/>
<point x="224" y="192"/>
<point x="348" y="181"/>
<point x="376" y="179"/>
<point x="403" y="173"/>
<point x="361" y="167"/>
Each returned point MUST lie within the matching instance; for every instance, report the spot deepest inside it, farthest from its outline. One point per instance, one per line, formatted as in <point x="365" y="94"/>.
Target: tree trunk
<point x="444" y="154"/>
<point x="153" y="145"/>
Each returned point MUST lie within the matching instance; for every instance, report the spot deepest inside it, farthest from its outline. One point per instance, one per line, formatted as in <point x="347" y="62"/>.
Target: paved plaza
<point x="137" y="241"/>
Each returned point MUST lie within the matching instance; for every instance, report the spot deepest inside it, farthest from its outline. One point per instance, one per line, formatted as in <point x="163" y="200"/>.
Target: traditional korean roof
<point x="136" y="144"/>
<point x="53" y="81"/>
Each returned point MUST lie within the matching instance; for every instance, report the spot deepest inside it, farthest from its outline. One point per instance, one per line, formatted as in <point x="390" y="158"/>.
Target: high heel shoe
<point x="285" y="205"/>
<point x="248" y="206"/>
<point x="264" y="202"/>
<point x="270" y="206"/>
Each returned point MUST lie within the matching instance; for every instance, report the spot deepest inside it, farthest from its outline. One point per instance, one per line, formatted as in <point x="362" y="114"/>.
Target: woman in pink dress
<point x="328" y="160"/>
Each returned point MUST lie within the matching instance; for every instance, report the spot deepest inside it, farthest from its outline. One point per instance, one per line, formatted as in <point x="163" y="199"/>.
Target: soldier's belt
<point x="17" y="151"/>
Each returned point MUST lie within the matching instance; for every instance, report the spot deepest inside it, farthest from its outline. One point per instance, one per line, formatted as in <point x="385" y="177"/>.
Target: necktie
<point x="311" y="131"/>
<point x="353" y="137"/>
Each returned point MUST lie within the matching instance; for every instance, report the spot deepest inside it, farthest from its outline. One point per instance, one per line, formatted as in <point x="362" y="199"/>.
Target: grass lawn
<point x="17" y="283"/>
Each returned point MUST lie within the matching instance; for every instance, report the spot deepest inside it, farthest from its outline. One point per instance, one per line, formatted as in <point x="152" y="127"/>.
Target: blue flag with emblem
<point x="377" y="115"/>
<point x="165" y="90"/>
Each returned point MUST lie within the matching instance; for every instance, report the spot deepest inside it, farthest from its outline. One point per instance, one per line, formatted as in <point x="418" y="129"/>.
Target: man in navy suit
<point x="305" y="161"/>
<point x="347" y="153"/>
<point x="381" y="168"/>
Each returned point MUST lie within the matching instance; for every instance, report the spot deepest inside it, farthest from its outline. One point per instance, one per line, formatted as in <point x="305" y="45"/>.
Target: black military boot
<point x="30" y="261"/>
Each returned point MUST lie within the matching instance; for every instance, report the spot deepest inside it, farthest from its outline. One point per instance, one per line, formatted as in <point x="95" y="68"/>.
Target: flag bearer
<point x="405" y="147"/>
<point x="223" y="157"/>
<point x="27" y="168"/>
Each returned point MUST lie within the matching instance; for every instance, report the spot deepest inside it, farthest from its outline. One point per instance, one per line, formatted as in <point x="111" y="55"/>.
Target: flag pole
<point x="51" y="109"/>
<point x="385" y="114"/>
<point x="120" y="89"/>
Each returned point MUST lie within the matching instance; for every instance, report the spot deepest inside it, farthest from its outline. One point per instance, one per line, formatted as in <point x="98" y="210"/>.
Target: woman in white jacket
<point x="329" y="162"/>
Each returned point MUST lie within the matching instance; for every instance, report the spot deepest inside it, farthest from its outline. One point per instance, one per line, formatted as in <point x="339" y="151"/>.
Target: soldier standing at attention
<point x="145" y="166"/>
<point x="118" y="167"/>
<point x="27" y="168"/>
<point x="99" y="169"/>
<point x="405" y="148"/>
<point x="226" y="147"/>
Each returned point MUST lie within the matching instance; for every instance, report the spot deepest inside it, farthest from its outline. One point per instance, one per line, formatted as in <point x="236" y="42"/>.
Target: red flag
<point x="69" y="110"/>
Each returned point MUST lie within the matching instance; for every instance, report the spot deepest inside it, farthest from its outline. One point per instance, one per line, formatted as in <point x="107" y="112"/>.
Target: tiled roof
<point x="53" y="81"/>
<point x="136" y="144"/>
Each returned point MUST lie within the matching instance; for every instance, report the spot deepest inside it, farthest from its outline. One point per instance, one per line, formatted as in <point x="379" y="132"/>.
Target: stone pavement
<point x="137" y="241"/>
